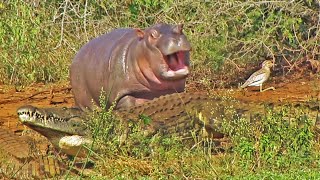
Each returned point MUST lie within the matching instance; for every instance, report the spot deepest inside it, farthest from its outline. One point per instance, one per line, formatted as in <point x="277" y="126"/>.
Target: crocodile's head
<point x="64" y="128"/>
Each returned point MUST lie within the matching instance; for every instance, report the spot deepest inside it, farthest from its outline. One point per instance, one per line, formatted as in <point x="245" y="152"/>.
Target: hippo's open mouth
<point x="175" y="67"/>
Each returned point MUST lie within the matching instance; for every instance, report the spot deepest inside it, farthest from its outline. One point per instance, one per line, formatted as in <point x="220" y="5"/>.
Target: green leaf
<point x="146" y="119"/>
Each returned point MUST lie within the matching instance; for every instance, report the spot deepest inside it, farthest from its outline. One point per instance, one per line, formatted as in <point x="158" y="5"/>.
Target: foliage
<point x="39" y="38"/>
<point x="280" y="145"/>
<point x="282" y="141"/>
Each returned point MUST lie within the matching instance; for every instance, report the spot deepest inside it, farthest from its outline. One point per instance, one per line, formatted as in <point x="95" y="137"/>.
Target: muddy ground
<point x="288" y="89"/>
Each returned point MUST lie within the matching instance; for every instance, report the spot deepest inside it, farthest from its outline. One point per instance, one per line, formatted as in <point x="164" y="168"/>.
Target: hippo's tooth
<point x="176" y="74"/>
<point x="169" y="73"/>
<point x="182" y="71"/>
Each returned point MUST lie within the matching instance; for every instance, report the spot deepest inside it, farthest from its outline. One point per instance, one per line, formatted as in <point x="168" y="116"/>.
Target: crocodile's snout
<point x="26" y="113"/>
<point x="29" y="113"/>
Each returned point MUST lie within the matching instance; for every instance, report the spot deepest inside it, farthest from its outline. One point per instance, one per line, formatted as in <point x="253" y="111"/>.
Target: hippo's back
<point x="89" y="68"/>
<point x="102" y="45"/>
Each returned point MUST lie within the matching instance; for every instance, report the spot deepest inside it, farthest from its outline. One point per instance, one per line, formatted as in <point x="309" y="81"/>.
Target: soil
<point x="60" y="95"/>
<point x="40" y="95"/>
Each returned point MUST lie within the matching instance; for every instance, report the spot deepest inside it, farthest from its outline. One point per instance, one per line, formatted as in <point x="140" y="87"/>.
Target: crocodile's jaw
<point x="25" y="118"/>
<point x="75" y="145"/>
<point x="27" y="114"/>
<point x="59" y="121"/>
<point x="37" y="120"/>
<point x="56" y="130"/>
<point x="35" y="117"/>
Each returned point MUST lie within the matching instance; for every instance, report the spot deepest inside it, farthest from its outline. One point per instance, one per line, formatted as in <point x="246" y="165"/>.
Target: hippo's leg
<point x="129" y="101"/>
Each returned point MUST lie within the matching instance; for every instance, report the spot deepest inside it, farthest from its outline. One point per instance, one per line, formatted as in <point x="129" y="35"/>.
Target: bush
<point x="277" y="144"/>
<point x="39" y="38"/>
<point x="283" y="139"/>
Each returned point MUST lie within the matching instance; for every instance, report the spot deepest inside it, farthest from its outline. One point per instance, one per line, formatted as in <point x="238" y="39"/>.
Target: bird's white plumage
<point x="260" y="76"/>
<point x="257" y="80"/>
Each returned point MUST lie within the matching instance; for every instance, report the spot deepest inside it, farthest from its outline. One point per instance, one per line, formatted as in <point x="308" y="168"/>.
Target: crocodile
<point x="181" y="114"/>
<point x="178" y="113"/>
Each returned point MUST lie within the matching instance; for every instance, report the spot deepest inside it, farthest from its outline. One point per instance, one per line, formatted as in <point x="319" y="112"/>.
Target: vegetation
<point x="280" y="145"/>
<point x="39" y="38"/>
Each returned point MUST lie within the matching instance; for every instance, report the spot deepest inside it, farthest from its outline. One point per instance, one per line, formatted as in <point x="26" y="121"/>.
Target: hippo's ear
<point x="178" y="29"/>
<point x="139" y="33"/>
<point x="154" y="33"/>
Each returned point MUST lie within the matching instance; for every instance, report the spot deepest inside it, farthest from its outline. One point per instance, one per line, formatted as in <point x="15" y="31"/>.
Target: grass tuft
<point x="279" y="145"/>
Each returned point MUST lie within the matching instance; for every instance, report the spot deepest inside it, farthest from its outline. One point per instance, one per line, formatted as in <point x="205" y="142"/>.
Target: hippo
<point x="130" y="66"/>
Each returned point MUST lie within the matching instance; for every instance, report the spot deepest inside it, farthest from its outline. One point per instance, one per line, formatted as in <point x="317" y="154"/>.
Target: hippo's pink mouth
<point x="175" y="67"/>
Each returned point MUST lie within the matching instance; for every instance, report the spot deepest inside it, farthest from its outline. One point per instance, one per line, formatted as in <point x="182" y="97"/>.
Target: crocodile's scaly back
<point x="185" y="114"/>
<point x="181" y="114"/>
<point x="168" y="113"/>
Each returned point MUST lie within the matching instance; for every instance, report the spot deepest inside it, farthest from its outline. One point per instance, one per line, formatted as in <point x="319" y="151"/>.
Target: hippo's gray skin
<point x="131" y="66"/>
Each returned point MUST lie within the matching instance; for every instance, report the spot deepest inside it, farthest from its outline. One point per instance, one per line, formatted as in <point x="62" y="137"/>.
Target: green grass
<point x="38" y="39"/>
<point x="291" y="174"/>
<point x="280" y="145"/>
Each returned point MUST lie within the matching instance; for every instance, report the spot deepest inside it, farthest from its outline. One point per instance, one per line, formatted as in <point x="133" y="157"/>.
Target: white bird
<point x="260" y="76"/>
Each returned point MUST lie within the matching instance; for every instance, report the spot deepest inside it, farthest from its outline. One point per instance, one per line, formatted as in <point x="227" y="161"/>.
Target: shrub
<point x="39" y="38"/>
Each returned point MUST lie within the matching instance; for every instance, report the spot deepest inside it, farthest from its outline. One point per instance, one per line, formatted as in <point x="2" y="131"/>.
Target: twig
<point x="45" y="91"/>
<point x="273" y="56"/>
<point x="233" y="63"/>
<point x="35" y="94"/>
<point x="85" y="19"/>
<point x="62" y="23"/>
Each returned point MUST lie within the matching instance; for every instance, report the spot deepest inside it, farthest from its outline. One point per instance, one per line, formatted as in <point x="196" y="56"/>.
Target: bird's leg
<point x="266" y="89"/>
